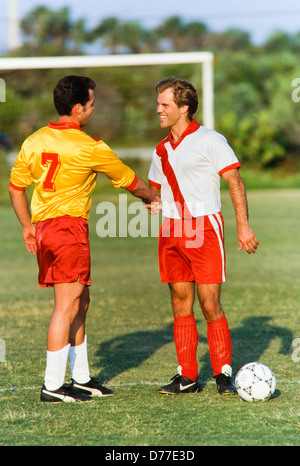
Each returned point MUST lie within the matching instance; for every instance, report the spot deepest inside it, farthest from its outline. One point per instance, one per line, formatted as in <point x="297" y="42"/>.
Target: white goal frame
<point x="87" y="61"/>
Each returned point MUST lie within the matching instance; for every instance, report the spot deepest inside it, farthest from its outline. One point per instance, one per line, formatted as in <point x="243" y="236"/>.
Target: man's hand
<point x="154" y="207"/>
<point x="29" y="238"/>
<point x="247" y="239"/>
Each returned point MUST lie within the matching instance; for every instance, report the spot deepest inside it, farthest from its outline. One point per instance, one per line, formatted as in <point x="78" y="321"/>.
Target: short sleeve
<point x="20" y="174"/>
<point x="155" y="171"/>
<point x="221" y="154"/>
<point x="104" y="160"/>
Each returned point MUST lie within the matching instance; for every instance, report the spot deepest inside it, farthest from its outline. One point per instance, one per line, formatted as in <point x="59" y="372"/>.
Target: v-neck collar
<point x="192" y="127"/>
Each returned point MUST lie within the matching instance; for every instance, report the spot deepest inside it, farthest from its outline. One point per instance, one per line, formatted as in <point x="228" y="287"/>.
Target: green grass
<point x="130" y="340"/>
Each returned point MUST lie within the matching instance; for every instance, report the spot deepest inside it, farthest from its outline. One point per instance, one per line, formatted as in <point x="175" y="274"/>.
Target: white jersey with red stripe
<point x="188" y="172"/>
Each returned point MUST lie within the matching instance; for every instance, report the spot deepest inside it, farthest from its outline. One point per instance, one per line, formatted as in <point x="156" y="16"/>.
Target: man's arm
<point x="155" y="206"/>
<point x="245" y="236"/>
<point x="20" y="204"/>
<point x="149" y="196"/>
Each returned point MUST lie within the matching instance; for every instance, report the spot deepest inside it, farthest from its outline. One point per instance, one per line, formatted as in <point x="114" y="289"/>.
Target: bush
<point x="253" y="138"/>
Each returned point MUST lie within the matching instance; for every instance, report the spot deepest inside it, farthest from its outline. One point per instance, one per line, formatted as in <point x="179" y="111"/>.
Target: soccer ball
<point x="255" y="382"/>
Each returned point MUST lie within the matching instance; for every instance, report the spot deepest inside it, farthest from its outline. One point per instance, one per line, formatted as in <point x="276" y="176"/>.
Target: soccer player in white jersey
<point x="185" y="172"/>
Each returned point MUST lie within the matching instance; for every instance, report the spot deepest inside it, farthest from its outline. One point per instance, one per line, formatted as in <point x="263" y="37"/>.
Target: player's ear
<point x="184" y="109"/>
<point x="77" y="109"/>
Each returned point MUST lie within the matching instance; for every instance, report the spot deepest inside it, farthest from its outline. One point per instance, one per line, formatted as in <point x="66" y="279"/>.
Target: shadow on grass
<point x="249" y="342"/>
<point x="130" y="350"/>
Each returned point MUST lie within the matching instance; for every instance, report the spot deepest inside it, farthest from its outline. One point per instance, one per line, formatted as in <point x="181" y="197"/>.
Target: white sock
<point x="79" y="364"/>
<point x="56" y="368"/>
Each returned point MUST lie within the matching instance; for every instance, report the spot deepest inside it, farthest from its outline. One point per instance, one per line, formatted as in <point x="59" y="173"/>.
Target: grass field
<point x="131" y="346"/>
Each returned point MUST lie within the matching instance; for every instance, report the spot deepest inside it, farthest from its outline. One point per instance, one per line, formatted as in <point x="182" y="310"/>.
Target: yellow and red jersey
<point x="62" y="161"/>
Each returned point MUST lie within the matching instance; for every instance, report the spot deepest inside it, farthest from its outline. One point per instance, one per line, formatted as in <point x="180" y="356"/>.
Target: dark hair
<point x="184" y="93"/>
<point x="72" y="90"/>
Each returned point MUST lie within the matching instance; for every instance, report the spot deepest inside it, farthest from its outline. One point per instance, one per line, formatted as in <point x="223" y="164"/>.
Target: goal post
<point x="87" y="61"/>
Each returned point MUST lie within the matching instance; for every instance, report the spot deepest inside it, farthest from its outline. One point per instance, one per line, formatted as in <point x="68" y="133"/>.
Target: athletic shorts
<point x="192" y="250"/>
<point x="63" y="251"/>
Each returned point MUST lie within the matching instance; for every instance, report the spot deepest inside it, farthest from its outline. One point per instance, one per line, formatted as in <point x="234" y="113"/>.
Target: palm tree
<point x="123" y="35"/>
<point x="182" y="36"/>
<point x="109" y="31"/>
<point x="47" y="27"/>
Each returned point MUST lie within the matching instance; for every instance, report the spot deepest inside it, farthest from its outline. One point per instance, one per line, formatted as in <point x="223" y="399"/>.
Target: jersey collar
<point x="63" y="125"/>
<point x="192" y="127"/>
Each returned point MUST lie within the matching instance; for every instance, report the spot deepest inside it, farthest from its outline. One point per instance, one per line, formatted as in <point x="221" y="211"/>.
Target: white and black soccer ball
<point x="255" y="382"/>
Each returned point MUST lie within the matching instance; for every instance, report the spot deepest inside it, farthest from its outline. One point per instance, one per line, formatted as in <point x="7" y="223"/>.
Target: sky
<point x="259" y="17"/>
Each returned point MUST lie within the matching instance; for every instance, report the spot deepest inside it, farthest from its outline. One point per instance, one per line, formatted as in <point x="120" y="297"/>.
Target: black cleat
<point x="92" y="387"/>
<point x="66" y="393"/>
<point x="225" y="385"/>
<point x="180" y="384"/>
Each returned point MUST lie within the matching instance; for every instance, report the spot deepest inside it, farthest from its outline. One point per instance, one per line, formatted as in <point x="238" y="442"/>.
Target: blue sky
<point x="259" y="17"/>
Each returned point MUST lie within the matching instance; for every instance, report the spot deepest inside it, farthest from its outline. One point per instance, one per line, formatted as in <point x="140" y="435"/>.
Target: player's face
<point x="169" y="113"/>
<point x="87" y="110"/>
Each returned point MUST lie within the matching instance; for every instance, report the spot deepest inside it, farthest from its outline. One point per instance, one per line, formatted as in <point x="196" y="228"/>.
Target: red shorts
<point x="192" y="250"/>
<point x="63" y="251"/>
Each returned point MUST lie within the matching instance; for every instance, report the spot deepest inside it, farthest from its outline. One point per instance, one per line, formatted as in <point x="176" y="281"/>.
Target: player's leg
<point x="185" y="337"/>
<point x="67" y="297"/>
<point x="175" y="270"/>
<point x="218" y="335"/>
<point x="77" y="329"/>
<point x="78" y="353"/>
<point x="66" y="307"/>
<point x="182" y="298"/>
<point x="209" y="299"/>
<point x="78" y="341"/>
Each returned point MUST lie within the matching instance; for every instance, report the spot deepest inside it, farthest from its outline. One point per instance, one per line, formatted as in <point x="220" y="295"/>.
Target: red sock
<point x="219" y="344"/>
<point x="186" y="341"/>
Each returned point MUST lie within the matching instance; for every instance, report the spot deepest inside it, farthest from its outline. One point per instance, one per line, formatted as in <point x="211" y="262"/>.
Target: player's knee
<point x="211" y="309"/>
<point x="182" y="305"/>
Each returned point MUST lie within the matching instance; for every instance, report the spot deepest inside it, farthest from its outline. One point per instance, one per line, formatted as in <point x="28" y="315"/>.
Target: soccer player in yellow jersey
<point x="62" y="162"/>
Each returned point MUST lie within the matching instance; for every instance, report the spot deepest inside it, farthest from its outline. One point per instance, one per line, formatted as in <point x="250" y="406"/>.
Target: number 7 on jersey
<point x="51" y="160"/>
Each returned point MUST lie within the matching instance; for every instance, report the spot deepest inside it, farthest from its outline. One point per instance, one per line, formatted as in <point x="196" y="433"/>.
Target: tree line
<point x="55" y="31"/>
<point x="254" y="108"/>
